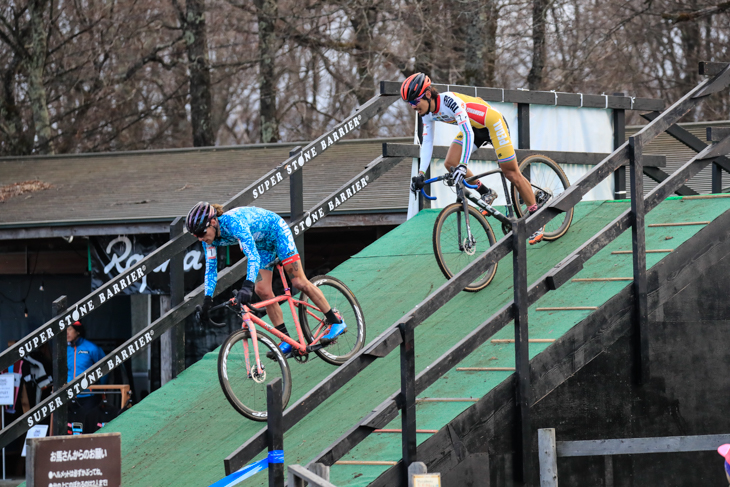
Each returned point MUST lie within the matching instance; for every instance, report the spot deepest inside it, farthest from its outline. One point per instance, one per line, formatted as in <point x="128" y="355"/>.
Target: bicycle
<point x="456" y="248"/>
<point x="241" y="372"/>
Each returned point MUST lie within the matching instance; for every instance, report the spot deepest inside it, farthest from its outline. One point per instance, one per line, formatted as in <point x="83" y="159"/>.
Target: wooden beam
<point x="600" y="279"/>
<point x="633" y="446"/>
<point x="679" y="224"/>
<point x="531" y="340"/>
<point x="485" y="369"/>
<point x="428" y="432"/>
<point x="364" y="462"/>
<point x="655" y="251"/>
<point x="447" y="399"/>
<point x="568" y="308"/>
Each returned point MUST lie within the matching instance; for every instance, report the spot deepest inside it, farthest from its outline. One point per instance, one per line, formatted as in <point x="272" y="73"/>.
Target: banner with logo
<point x="110" y="256"/>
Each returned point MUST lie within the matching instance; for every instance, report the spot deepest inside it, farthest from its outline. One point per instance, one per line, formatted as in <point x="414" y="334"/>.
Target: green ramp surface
<point x="180" y="434"/>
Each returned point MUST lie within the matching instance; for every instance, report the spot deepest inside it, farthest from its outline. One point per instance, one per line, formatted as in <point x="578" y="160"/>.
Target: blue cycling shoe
<point x="285" y="348"/>
<point x="336" y="330"/>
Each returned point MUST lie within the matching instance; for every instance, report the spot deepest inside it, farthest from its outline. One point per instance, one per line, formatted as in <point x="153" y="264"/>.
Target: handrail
<point x="100" y="296"/>
<point x="391" y="337"/>
<point x="226" y="278"/>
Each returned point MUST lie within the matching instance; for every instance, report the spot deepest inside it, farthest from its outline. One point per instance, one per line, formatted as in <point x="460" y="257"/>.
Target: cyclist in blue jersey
<point x="264" y="237"/>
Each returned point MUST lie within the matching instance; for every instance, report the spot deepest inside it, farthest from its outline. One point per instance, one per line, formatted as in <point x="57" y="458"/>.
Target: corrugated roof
<point x="678" y="154"/>
<point x="160" y="185"/>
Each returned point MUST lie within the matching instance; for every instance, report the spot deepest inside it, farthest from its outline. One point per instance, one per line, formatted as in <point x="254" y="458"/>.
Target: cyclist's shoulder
<point x="468" y="99"/>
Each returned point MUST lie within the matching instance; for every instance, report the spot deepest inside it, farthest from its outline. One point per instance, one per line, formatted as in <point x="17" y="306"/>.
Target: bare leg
<point x="512" y="172"/>
<point x="300" y="281"/>
<point x="264" y="291"/>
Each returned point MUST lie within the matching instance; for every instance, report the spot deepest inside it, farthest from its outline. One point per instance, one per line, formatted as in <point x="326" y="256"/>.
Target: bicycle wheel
<point x="452" y="247"/>
<point x="247" y="391"/>
<point x="548" y="182"/>
<point x="344" y="303"/>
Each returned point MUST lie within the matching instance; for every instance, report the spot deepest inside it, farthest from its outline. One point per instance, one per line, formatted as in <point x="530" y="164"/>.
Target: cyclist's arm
<point x="427" y="145"/>
<point x="211" y="268"/>
<point x="248" y="246"/>
<point x="462" y="120"/>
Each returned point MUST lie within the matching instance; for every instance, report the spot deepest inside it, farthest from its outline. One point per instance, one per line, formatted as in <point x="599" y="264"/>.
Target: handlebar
<point x="441" y="178"/>
<point x="232" y="305"/>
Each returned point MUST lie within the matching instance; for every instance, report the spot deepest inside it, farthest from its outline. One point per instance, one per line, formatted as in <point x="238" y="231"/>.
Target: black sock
<point x="282" y="328"/>
<point x="332" y="317"/>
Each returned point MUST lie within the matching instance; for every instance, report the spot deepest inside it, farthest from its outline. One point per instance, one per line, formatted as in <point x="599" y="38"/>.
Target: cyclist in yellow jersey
<point x="479" y="123"/>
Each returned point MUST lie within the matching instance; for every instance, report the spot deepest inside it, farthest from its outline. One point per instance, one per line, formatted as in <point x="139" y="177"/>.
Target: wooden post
<point x="60" y="370"/>
<point x="522" y="353"/>
<point x="177" y="294"/>
<point x="275" y="430"/>
<point x="408" y="396"/>
<point x="638" y="244"/>
<point x="415" y="468"/>
<point x="716" y="178"/>
<point x="296" y="201"/>
<point x="548" y="455"/>
<point x="619" y="137"/>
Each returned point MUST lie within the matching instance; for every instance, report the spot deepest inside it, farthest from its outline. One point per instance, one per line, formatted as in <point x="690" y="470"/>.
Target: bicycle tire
<point x="445" y="234"/>
<point x="547" y="175"/>
<point x="343" y="301"/>
<point x="246" y="394"/>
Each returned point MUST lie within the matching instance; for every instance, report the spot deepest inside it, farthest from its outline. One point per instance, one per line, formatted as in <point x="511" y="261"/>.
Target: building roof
<point x="143" y="191"/>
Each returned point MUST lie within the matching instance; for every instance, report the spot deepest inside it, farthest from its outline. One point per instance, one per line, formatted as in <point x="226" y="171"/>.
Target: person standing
<point x="81" y="354"/>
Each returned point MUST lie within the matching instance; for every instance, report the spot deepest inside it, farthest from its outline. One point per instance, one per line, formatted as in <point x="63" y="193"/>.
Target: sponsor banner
<point x="112" y="256"/>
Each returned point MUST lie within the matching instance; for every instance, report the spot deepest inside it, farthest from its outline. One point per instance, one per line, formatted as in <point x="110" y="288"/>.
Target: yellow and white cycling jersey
<point x="479" y="124"/>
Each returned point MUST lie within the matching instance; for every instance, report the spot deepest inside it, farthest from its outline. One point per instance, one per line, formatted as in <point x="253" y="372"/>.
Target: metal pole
<point x="60" y="369"/>
<point x="3" y="427"/>
<point x="523" y="440"/>
<point x="619" y="137"/>
<point x="275" y="430"/>
<point x="408" y="396"/>
<point x="638" y="243"/>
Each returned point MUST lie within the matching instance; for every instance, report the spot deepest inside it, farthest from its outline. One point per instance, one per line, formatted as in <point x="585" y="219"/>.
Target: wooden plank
<point x="568" y="308"/>
<point x="548" y="455"/>
<point x="485" y="369"/>
<point x="429" y="432"/>
<point x="364" y="462"/>
<point x="531" y="340"/>
<point x="551" y="98"/>
<point x="633" y="446"/>
<point x="448" y="399"/>
<point x="654" y="251"/>
<point x="679" y="224"/>
<point x="299" y="472"/>
<point x="706" y="196"/>
<point x="599" y="279"/>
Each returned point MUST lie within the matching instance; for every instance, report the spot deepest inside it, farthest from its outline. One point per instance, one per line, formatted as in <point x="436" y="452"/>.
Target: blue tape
<point x="243" y="474"/>
<point x="275" y="456"/>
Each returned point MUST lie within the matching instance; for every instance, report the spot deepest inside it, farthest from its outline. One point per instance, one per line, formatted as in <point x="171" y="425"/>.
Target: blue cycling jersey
<point x="262" y="235"/>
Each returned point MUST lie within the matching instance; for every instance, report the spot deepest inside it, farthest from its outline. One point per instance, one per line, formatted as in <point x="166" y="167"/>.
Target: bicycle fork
<point x="255" y="375"/>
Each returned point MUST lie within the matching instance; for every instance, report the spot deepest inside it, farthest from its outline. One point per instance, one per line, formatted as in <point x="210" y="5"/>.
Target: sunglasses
<point x="415" y="102"/>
